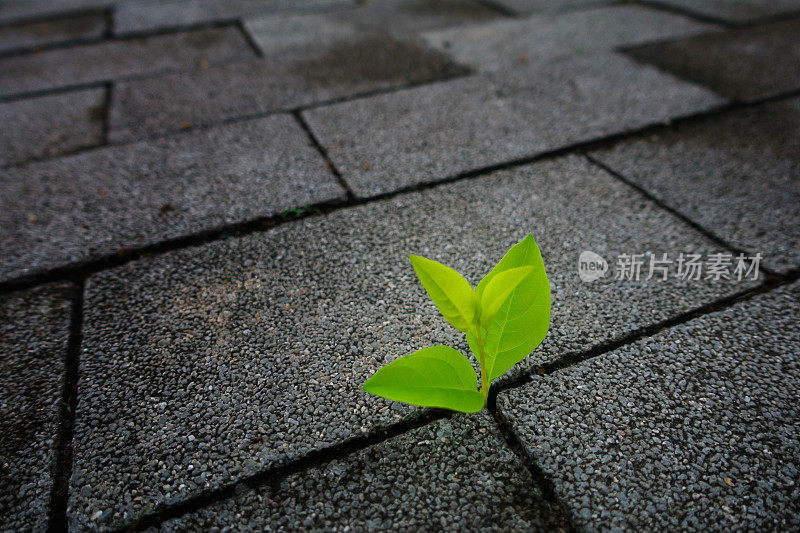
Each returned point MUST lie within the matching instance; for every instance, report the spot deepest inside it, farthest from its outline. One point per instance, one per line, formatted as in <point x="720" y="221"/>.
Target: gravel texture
<point x="737" y="175"/>
<point x="34" y="327"/>
<point x="694" y="428"/>
<point x="116" y="59"/>
<point x="286" y="80"/>
<point x="35" y="34"/>
<point x="94" y="203"/>
<point x="206" y="364"/>
<point x="506" y="44"/>
<point x="425" y="134"/>
<point x="747" y="64"/>
<point x="50" y="125"/>
<point x="455" y="474"/>
<point x="737" y="11"/>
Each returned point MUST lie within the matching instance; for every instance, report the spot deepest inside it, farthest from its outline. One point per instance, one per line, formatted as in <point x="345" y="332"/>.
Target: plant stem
<point x="484" y="384"/>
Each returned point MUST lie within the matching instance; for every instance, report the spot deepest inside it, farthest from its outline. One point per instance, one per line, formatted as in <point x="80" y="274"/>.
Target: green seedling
<point x="504" y="318"/>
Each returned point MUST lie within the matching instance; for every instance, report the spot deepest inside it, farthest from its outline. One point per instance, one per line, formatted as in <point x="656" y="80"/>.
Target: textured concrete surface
<point x="22" y="11"/>
<point x="694" y="428"/>
<point x="34" y="327"/>
<point x="408" y="483"/>
<point x="736" y="11"/>
<point x="51" y="125"/>
<point x="94" y="203"/>
<point x="447" y="128"/>
<point x="523" y="7"/>
<point x="48" y="32"/>
<point x="270" y="336"/>
<point x="505" y="44"/>
<point x="738" y="176"/>
<point x="120" y="59"/>
<point x="747" y="64"/>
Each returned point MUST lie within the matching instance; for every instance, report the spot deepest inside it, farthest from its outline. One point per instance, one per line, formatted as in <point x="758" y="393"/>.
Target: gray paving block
<point x="98" y="202"/>
<point x="16" y="11"/>
<point x="203" y="365"/>
<point x="51" y="125"/>
<point x="34" y="328"/>
<point x="524" y="7"/>
<point x="507" y="44"/>
<point x="455" y="475"/>
<point x="118" y="59"/>
<point x="694" y="428"/>
<point x="737" y="175"/>
<point x="396" y="140"/>
<point x="737" y="11"/>
<point x="746" y="64"/>
<point x="35" y="34"/>
<point x="149" y="15"/>
<point x="281" y="81"/>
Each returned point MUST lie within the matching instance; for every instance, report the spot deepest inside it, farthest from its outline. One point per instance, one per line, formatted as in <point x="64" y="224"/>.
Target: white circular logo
<point x="591" y="266"/>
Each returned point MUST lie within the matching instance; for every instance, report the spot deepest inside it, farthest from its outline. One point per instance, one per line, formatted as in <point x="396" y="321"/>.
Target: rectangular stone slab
<point x="737" y="175"/>
<point x="693" y="428"/>
<point x="505" y="44"/>
<point x="455" y="474"/>
<point x="280" y="81"/>
<point x="736" y="11"/>
<point x="747" y="64"/>
<point x="244" y="353"/>
<point x="98" y="202"/>
<point x="34" y="34"/>
<point x="47" y="126"/>
<point x="34" y="329"/>
<point x="396" y="140"/>
<point x="110" y="60"/>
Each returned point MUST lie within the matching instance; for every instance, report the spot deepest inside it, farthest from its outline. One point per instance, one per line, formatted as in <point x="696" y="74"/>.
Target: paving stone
<point x="506" y="44"/>
<point x="694" y="428"/>
<point x="737" y="10"/>
<point x="35" y="34"/>
<point x="737" y="175"/>
<point x="51" y="125"/>
<point x="455" y="474"/>
<point x="15" y="11"/>
<point x="97" y="202"/>
<point x="746" y="64"/>
<point x="120" y="59"/>
<point x="206" y="364"/>
<point x="34" y="327"/>
<point x="140" y="16"/>
<point x="524" y="7"/>
<point x="281" y="81"/>
<point x="400" y="139"/>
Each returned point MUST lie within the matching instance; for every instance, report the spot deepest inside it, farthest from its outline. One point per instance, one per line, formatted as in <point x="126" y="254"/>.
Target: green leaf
<point x="448" y="289"/>
<point x="498" y="290"/>
<point x="522" y="321"/>
<point x="438" y="376"/>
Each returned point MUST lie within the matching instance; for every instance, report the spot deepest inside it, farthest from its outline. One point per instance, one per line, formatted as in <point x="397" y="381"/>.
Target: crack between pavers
<point x="301" y="120"/>
<point x="717" y="21"/>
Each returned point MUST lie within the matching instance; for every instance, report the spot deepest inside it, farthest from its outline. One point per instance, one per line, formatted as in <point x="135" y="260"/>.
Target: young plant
<point x="504" y="318"/>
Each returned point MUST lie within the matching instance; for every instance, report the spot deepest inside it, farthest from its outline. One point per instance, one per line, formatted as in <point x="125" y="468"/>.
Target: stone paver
<point x="506" y="44"/>
<point x="524" y="7"/>
<point x="454" y="474"/>
<point x="737" y="10"/>
<point x="35" y="34"/>
<point x="278" y="82"/>
<point x="97" y="202"/>
<point x="22" y="11"/>
<point x="121" y="58"/>
<point x="737" y="175"/>
<point x="692" y="429"/>
<point x="34" y="328"/>
<point x="746" y="64"/>
<point x="144" y="15"/>
<point x="396" y="140"/>
<point x="51" y="125"/>
<point x="206" y="364"/>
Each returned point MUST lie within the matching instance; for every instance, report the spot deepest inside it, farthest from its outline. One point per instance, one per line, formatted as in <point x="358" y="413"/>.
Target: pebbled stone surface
<point x="746" y="64"/>
<point x="506" y="44"/>
<point x="51" y="125"/>
<point x="207" y="364"/>
<point x="694" y="428"/>
<point x="391" y="141"/>
<point x="454" y="474"/>
<point x="737" y="11"/>
<point x="737" y="175"/>
<point x="98" y="202"/>
<point x="34" y="328"/>
<point x="116" y="59"/>
<point x="293" y="78"/>
<point x="36" y="34"/>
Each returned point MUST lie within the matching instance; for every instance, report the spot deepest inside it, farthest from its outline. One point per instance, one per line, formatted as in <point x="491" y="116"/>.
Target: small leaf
<point x="448" y="289"/>
<point x="498" y="289"/>
<point x="438" y="376"/>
